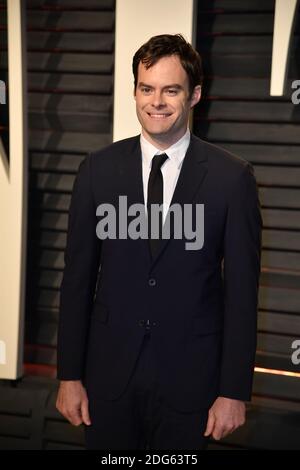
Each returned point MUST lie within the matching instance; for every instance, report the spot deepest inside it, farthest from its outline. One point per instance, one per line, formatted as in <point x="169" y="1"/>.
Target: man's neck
<point x="163" y="143"/>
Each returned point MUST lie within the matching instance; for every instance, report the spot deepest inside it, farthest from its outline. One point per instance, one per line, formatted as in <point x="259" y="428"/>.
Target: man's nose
<point x="157" y="99"/>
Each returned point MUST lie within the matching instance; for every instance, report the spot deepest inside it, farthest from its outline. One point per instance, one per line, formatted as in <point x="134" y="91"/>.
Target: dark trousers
<point x="140" y="418"/>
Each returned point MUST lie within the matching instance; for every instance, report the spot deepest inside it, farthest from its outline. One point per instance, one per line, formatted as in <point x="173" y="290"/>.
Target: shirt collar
<point x="175" y="152"/>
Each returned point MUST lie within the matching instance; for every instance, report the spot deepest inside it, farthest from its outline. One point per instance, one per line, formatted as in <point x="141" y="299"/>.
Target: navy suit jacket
<point x="201" y="305"/>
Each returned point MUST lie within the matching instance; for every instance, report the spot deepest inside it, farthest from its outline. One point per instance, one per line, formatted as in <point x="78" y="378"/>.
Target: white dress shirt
<point x="170" y="169"/>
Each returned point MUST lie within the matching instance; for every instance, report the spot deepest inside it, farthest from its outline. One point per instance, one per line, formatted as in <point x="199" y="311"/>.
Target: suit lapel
<point x="131" y="173"/>
<point x="131" y="177"/>
<point x="192" y="174"/>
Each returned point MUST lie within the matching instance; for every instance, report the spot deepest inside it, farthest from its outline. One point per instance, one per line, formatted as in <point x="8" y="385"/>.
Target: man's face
<point x="162" y="100"/>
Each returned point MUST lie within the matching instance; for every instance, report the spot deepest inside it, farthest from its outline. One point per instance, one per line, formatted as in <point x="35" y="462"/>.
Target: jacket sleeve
<point x="82" y="256"/>
<point x="242" y="254"/>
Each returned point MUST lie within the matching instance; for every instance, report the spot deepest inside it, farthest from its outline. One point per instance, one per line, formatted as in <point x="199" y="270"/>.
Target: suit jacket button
<point x="152" y="282"/>
<point x="141" y="322"/>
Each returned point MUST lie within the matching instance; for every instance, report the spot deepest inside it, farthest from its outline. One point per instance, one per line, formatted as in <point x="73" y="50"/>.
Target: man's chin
<point x="155" y="132"/>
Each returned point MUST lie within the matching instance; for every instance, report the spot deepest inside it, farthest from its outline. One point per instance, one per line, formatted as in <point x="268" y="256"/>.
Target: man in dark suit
<point x="158" y="352"/>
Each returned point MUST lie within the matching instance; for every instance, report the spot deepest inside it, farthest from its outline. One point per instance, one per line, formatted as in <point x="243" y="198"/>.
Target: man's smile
<point x="159" y="115"/>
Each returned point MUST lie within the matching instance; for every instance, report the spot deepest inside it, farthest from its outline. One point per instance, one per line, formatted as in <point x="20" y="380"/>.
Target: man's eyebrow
<point x="144" y="84"/>
<point x="173" y="85"/>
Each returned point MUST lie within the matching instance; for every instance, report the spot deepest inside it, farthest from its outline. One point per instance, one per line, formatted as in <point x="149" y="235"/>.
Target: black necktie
<point x="155" y="196"/>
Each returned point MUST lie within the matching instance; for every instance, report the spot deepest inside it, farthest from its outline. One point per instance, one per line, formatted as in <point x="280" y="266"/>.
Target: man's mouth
<point x="159" y="115"/>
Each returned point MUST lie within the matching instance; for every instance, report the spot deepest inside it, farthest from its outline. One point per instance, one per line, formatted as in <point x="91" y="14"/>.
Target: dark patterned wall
<point x="70" y="86"/>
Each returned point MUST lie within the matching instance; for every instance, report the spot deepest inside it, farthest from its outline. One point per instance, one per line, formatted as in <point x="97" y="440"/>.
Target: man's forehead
<point x="172" y="60"/>
<point x="166" y="66"/>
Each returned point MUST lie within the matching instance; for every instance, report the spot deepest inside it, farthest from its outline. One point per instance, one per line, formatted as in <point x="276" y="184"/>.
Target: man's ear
<point x="196" y="96"/>
<point x="134" y="92"/>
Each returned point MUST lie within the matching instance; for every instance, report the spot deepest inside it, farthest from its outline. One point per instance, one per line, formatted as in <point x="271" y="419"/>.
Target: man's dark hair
<point x="166" y="45"/>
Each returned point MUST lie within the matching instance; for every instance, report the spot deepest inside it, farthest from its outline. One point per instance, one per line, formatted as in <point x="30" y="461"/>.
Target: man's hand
<point x="72" y="402"/>
<point x="224" y="417"/>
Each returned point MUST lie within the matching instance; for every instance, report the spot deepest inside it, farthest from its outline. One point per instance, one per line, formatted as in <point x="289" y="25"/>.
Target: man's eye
<point x="172" y="91"/>
<point x="146" y="90"/>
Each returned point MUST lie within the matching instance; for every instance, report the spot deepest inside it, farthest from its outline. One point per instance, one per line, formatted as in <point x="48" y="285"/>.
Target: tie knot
<point x="158" y="161"/>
